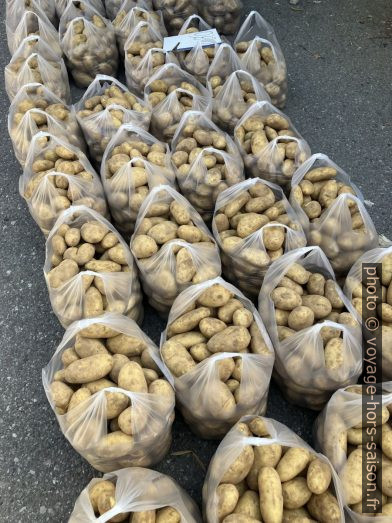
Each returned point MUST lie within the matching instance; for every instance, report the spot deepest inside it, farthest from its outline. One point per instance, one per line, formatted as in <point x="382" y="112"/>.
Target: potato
<point x="227" y="499"/>
<point x="271" y="495"/>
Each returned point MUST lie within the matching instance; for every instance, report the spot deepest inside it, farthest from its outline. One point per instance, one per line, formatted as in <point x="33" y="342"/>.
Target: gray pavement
<point x="339" y="56"/>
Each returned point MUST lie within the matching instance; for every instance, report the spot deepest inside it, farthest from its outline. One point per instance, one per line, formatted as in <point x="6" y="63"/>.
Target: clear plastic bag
<point x="271" y="146"/>
<point x="338" y="434"/>
<point x="56" y="176"/>
<point x="129" y="16"/>
<point x="113" y="6"/>
<point x="32" y="23"/>
<point x="317" y="352"/>
<point x="123" y="418"/>
<point x="260" y="52"/>
<point x="232" y="99"/>
<point x="170" y="93"/>
<point x="133" y="163"/>
<point x="105" y="106"/>
<point x="34" y="61"/>
<point x="258" y="444"/>
<point x="224" y="15"/>
<point x="220" y="359"/>
<point x="175" y="12"/>
<point x="254" y="225"/>
<point x="353" y="290"/>
<point x="15" y="10"/>
<point x="136" y="490"/>
<point x="82" y="277"/>
<point x="144" y="36"/>
<point x="225" y="62"/>
<point x="206" y="160"/>
<point x="36" y="109"/>
<point x="88" y="42"/>
<point x="61" y="5"/>
<point x="172" y="247"/>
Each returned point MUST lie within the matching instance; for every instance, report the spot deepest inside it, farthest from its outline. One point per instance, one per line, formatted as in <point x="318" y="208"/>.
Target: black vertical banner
<point x="372" y="386"/>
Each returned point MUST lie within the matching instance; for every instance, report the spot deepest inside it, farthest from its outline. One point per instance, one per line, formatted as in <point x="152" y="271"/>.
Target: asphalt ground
<point x="339" y="56"/>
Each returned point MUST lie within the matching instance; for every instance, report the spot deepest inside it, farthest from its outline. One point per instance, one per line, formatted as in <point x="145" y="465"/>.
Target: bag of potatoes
<point x="89" y="269"/>
<point x="332" y="212"/>
<point x="342" y="434"/>
<point x="254" y="225"/>
<point x="88" y="43"/>
<point x="34" y="61"/>
<point x="271" y="146"/>
<point x="353" y="290"/>
<point x="263" y="471"/>
<point x="144" y="36"/>
<point x="135" y="494"/>
<point x="313" y="327"/>
<point x="224" y="15"/>
<point x="107" y="387"/>
<point x="113" y="6"/>
<point x="232" y="99"/>
<point x="219" y="355"/>
<point x="175" y="12"/>
<point x="134" y="163"/>
<point x="105" y="106"/>
<point x="97" y="4"/>
<point x="258" y="48"/>
<point x="15" y="9"/>
<point x="172" y="247"/>
<point x="128" y="18"/>
<point x="170" y="93"/>
<point x="33" y="23"/>
<point x="225" y="62"/>
<point x="206" y="159"/>
<point x="36" y="109"/>
<point x="56" y="176"/>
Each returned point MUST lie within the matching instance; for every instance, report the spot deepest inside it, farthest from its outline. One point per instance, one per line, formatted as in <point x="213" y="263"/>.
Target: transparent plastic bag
<point x="56" y="176"/>
<point x="136" y="490"/>
<point x="36" y="109"/>
<point x="353" y="290"/>
<point x="82" y="277"/>
<point x="144" y="36"/>
<point x="16" y="9"/>
<point x="123" y="418"/>
<point x="224" y="15"/>
<point x="259" y="444"/>
<point x="113" y="6"/>
<point x="170" y="93"/>
<point x="62" y="4"/>
<point x="254" y="225"/>
<point x="172" y="247"/>
<point x="105" y="106"/>
<point x="30" y="24"/>
<point x="139" y="71"/>
<point x="129" y="16"/>
<point x="133" y="163"/>
<point x="225" y="62"/>
<point x="338" y="434"/>
<point x="271" y="146"/>
<point x="260" y="52"/>
<point x="317" y="352"/>
<point x="220" y="359"/>
<point x="88" y="42"/>
<point x="175" y="12"/>
<point x="34" y="61"/>
<point x="206" y="161"/>
<point x="232" y="99"/>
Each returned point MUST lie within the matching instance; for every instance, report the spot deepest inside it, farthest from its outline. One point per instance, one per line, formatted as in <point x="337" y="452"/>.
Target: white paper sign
<point x="188" y="41"/>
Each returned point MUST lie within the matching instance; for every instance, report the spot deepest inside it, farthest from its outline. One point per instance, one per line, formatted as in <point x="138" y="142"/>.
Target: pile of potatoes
<point x="298" y="295"/>
<point x="88" y="42"/>
<point x="170" y="93"/>
<point x="254" y="225"/>
<point x="98" y="118"/>
<point x="35" y="62"/>
<point x="112" y="353"/>
<point x="354" y="290"/>
<point x="343" y="436"/>
<point x="57" y="176"/>
<point x="206" y="160"/>
<point x="175" y="12"/>
<point x="90" y="244"/>
<point x="205" y="322"/>
<point x="172" y="246"/>
<point x="233" y="97"/>
<point x="270" y="145"/>
<point x="224" y="15"/>
<point x="280" y="482"/>
<point x="36" y="109"/>
<point x="139" y="73"/>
